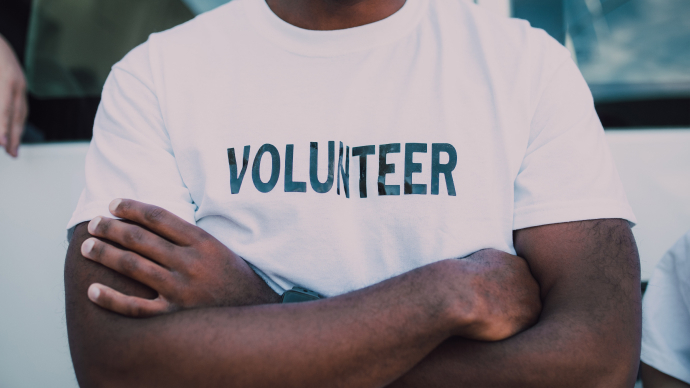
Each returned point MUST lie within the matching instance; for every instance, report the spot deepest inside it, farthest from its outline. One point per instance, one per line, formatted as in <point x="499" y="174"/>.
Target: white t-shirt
<point x="666" y="314"/>
<point x="428" y="135"/>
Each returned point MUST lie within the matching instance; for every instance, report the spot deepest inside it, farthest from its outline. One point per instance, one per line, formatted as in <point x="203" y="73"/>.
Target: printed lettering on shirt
<point x="341" y="173"/>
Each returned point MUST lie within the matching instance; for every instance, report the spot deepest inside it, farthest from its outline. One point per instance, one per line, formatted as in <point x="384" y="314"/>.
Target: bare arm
<point x="589" y="331"/>
<point x="367" y="338"/>
<point x="653" y="378"/>
<point x="301" y="345"/>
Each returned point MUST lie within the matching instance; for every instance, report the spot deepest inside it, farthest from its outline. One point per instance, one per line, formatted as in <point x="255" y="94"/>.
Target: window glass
<point x="72" y="44"/>
<point x="631" y="49"/>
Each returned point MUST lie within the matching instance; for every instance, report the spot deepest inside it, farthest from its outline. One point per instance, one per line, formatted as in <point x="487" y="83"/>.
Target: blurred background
<point x="635" y="55"/>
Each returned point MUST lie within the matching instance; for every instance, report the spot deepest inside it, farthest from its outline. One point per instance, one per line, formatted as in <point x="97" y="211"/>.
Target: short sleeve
<point x="567" y="173"/>
<point x="130" y="155"/>
<point x="666" y="314"/>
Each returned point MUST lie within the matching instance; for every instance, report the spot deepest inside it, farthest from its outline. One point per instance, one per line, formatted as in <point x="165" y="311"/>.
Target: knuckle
<point x="192" y="269"/>
<point x="204" y="239"/>
<point x="128" y="264"/>
<point x="157" y="277"/>
<point x="135" y="311"/>
<point x="168" y="246"/>
<point x="170" y="308"/>
<point x="133" y="236"/>
<point x="153" y="214"/>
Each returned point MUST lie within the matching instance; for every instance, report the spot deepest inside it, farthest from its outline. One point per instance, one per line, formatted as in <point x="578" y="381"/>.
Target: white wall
<point x="654" y="166"/>
<point x="39" y="190"/>
<point x="37" y="195"/>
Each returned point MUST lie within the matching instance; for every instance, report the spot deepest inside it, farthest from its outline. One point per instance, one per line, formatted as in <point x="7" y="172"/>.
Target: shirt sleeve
<point x="666" y="314"/>
<point x="130" y="155"/>
<point x="567" y="173"/>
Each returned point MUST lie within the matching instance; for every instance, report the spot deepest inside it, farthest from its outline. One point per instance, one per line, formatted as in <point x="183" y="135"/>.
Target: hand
<point x="13" y="104"/>
<point x="504" y="297"/>
<point x="188" y="267"/>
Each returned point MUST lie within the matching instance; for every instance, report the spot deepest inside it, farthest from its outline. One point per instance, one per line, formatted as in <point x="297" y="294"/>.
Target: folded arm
<point x="367" y="338"/>
<point x="588" y="334"/>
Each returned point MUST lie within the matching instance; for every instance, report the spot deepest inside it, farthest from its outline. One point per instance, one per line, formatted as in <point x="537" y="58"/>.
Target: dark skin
<point x="443" y="314"/>
<point x="202" y="336"/>
<point x="333" y="14"/>
<point x="453" y="323"/>
<point x="653" y="378"/>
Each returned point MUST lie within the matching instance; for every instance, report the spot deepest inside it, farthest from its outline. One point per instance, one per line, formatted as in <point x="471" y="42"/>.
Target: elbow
<point x="98" y="367"/>
<point x="103" y="358"/>
<point x="622" y="373"/>
<point x="614" y="366"/>
<point x="93" y="377"/>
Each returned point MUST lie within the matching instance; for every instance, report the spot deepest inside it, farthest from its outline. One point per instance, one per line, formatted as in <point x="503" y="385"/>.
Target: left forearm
<point x="557" y="352"/>
<point x="589" y="331"/>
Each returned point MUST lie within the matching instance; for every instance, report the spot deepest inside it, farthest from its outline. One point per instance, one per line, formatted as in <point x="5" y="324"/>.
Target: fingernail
<point x="93" y="224"/>
<point x="113" y="205"/>
<point x="3" y="140"/>
<point x="94" y="292"/>
<point x="87" y="246"/>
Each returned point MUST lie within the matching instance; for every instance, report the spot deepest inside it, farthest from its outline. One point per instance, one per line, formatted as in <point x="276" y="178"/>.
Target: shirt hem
<point x="556" y="213"/>
<point x="100" y="208"/>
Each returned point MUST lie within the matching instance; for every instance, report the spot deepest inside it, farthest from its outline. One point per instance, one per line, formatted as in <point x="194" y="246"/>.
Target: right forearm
<point x="357" y="341"/>
<point x="367" y="338"/>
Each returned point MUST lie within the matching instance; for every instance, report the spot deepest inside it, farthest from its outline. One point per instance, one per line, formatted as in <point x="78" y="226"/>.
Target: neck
<point x="333" y="14"/>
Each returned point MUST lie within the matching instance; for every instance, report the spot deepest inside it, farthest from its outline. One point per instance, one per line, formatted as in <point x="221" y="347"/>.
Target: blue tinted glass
<point x="631" y="49"/>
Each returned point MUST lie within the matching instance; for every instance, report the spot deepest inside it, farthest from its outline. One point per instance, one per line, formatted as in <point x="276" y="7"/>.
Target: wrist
<point x="451" y="289"/>
<point x="466" y="307"/>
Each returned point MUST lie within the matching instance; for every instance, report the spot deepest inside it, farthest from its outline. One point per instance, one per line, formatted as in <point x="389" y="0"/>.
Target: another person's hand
<point x="13" y="103"/>
<point x="188" y="267"/>
<point x="503" y="296"/>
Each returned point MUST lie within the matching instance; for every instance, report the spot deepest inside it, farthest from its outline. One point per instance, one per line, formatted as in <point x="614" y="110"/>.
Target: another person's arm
<point x="366" y="338"/>
<point x="13" y="103"/>
<point x="588" y="334"/>
<point x="666" y="320"/>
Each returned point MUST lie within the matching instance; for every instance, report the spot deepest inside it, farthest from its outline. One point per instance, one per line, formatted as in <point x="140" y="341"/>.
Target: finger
<point x="158" y="220"/>
<point x="129" y="264"/>
<point x="17" y="125"/>
<point x="6" y="112"/>
<point x="135" y="238"/>
<point x="131" y="306"/>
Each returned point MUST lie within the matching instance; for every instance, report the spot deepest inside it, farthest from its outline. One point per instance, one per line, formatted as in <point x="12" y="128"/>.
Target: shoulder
<point x="510" y="50"/>
<point x="495" y="32"/>
<point x="184" y="47"/>
<point x="182" y="42"/>
<point x="222" y="23"/>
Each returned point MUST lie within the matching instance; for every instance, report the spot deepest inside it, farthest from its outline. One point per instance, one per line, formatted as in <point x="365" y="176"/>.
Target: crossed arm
<point x="429" y="327"/>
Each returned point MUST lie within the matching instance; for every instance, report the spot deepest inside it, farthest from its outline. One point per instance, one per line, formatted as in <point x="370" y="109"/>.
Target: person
<point x="489" y="244"/>
<point x="13" y="100"/>
<point x="666" y="316"/>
